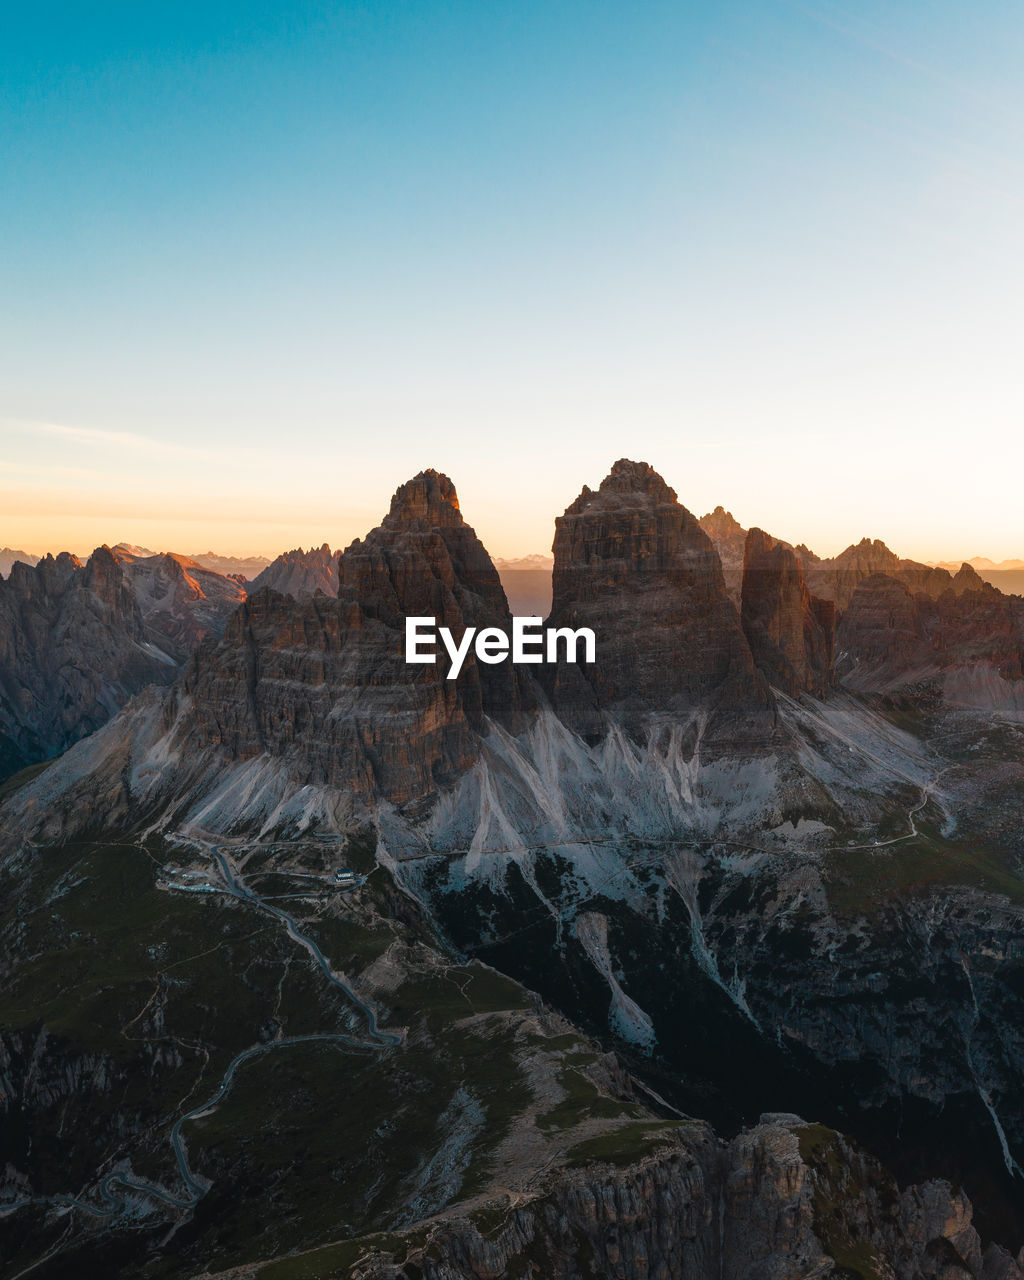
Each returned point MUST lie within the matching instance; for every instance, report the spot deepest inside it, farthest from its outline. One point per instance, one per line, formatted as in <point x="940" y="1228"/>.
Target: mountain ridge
<point x="751" y="834"/>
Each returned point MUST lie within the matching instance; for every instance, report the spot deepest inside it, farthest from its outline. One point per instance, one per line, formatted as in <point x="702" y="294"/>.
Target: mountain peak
<point x="428" y="498"/>
<point x="626" y="476"/>
<point x="719" y="524"/>
<point x="624" y="483"/>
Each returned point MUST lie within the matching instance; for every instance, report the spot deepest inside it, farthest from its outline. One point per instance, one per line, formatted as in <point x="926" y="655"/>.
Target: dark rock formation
<point x="838" y="578"/>
<point x="323" y="683"/>
<point x="73" y="650"/>
<point x="791" y="633"/>
<point x="635" y="566"/>
<point x="301" y="573"/>
<point x="891" y="634"/>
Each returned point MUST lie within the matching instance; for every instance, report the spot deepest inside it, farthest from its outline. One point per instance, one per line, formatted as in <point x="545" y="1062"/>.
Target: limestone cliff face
<point x="181" y="601"/>
<point x="635" y="566"/>
<point x="791" y="632"/>
<point x="301" y="573"/>
<point x="73" y="650"/>
<point x="783" y="1201"/>
<point x="425" y="561"/>
<point x="890" y="633"/>
<point x="730" y="539"/>
<point x="322" y="684"/>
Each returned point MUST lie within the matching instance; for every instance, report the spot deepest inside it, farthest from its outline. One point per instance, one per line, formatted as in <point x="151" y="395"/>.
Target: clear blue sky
<point x="260" y="263"/>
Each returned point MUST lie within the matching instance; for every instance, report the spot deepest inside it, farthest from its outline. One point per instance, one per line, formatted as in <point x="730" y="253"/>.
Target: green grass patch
<point x="583" y="1100"/>
<point x="861" y="881"/>
<point x="836" y="1188"/>
<point x="623" y="1146"/>
<point x="443" y="996"/>
<point x="333" y="1261"/>
<point x="22" y="778"/>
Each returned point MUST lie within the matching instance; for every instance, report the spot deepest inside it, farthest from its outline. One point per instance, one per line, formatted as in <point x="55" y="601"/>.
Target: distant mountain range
<point x="532" y="562"/>
<point x="983" y="563"/>
<point x="9" y="557"/>
<point x="719" y="524"/>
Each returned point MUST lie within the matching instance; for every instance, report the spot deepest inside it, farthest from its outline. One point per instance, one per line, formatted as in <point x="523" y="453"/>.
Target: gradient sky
<point x="259" y="263"/>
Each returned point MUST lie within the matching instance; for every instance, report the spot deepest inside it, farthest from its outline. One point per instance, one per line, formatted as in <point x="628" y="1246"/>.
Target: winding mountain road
<point x="115" y="1188"/>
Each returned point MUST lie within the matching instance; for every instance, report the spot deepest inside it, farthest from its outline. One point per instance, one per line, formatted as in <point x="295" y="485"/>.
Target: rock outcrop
<point x="322" y="684"/>
<point x="635" y="566"/>
<point x="791" y="632"/>
<point x="301" y="573"/>
<point x="839" y="577"/>
<point x="730" y="539"/>
<point x="784" y="1200"/>
<point x="73" y="650"/>
<point x="180" y="601"/>
<point x="891" y="635"/>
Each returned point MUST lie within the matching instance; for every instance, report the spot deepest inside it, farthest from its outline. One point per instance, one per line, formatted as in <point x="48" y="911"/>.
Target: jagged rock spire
<point x="634" y="565"/>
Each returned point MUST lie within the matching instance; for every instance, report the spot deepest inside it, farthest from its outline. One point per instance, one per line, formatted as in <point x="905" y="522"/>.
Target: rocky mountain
<point x="969" y="641"/>
<point x="537" y="561"/>
<point x="321" y="685"/>
<point x="180" y="600"/>
<point x="450" y="1124"/>
<point x="702" y="958"/>
<point x="791" y="632"/>
<point x="9" y="557"/>
<point x="301" y="573"/>
<point x="838" y="578"/>
<point x="239" y="567"/>
<point x="784" y="1199"/>
<point x="635" y="566"/>
<point x="982" y="564"/>
<point x="835" y="578"/>
<point x="730" y="539"/>
<point x="73" y="649"/>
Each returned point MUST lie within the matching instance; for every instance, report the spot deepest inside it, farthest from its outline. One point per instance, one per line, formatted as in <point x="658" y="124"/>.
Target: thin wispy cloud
<point x="117" y="439"/>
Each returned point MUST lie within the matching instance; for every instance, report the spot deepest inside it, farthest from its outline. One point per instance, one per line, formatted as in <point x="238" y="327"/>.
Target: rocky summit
<point x="634" y="565"/>
<point x="321" y="685"/>
<point x="73" y="649"/>
<point x="301" y="573"/>
<point x="702" y="959"/>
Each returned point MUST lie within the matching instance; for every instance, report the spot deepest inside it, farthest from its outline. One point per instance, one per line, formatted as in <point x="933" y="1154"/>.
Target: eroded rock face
<point x="791" y="632"/>
<point x="838" y="578"/>
<point x="180" y="601"/>
<point x="635" y="566"/>
<point x="783" y="1201"/>
<point x="323" y="683"/>
<point x="73" y="650"/>
<point x="890" y="634"/>
<point x="425" y="561"/>
<point x="301" y="573"/>
<point x="730" y="539"/>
